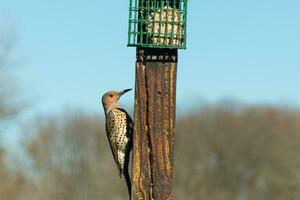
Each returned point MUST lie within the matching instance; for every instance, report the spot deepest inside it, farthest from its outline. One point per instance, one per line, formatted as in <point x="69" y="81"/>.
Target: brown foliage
<point x="72" y="159"/>
<point x="246" y="154"/>
<point x="13" y="185"/>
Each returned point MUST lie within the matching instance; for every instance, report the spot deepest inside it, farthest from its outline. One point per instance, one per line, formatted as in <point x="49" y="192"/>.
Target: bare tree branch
<point x="8" y="105"/>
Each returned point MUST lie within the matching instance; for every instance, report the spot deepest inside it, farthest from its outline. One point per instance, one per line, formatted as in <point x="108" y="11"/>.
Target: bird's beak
<point x="124" y="91"/>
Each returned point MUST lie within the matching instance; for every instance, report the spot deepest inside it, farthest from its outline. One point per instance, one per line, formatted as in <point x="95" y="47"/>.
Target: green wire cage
<point x="157" y="23"/>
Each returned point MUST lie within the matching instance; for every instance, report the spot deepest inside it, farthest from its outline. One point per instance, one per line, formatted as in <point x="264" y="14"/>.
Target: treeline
<point x="221" y="153"/>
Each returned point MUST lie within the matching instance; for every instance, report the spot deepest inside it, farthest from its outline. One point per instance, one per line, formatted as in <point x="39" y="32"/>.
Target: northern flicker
<point x="119" y="128"/>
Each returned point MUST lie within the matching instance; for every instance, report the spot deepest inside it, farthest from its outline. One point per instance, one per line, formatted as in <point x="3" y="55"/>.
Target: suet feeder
<point x="157" y="23"/>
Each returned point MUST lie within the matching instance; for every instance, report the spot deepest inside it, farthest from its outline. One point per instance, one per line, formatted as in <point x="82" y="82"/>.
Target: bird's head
<point x="110" y="99"/>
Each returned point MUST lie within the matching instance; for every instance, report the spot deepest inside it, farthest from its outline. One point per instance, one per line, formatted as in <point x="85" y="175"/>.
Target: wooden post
<point x="154" y="124"/>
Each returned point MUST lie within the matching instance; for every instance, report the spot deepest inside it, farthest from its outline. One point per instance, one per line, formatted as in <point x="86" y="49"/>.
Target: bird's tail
<point x="128" y="182"/>
<point x="126" y="172"/>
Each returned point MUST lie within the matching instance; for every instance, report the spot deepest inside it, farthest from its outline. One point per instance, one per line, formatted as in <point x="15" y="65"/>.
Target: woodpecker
<point x="119" y="128"/>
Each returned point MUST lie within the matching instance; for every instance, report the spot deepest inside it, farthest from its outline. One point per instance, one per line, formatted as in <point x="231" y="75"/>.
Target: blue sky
<point x="76" y="50"/>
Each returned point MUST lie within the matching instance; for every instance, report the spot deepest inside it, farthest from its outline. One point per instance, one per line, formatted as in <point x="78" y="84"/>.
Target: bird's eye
<point x="111" y="95"/>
